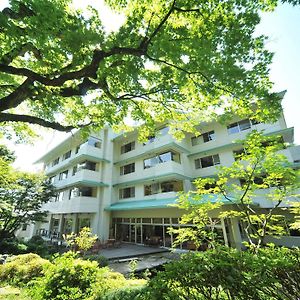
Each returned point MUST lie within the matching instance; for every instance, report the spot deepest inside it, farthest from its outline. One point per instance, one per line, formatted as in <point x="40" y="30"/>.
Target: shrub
<point x="101" y="260"/>
<point x="111" y="282"/>
<point x="272" y="274"/>
<point x="67" y="278"/>
<point x="23" y="268"/>
<point x="37" y="245"/>
<point x="13" y="246"/>
<point x="128" y="293"/>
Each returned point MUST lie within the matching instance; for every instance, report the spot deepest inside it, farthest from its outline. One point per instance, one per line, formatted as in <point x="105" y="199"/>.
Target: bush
<point x="37" y="245"/>
<point x="101" y="260"/>
<point x="67" y="278"/>
<point x="128" y="293"/>
<point x="23" y="268"/>
<point x="13" y="246"/>
<point x="272" y="274"/>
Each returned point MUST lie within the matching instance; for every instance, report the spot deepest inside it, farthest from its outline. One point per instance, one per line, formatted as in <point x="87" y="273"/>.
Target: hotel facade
<point x="124" y="190"/>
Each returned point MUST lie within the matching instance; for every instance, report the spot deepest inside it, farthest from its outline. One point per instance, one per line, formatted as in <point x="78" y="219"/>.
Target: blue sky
<point x="283" y="28"/>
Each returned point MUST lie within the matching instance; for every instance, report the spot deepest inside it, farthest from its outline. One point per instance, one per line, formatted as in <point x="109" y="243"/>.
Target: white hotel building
<point x="123" y="189"/>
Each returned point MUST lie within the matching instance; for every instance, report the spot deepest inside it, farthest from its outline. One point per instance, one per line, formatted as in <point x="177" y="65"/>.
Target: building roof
<point x="161" y="203"/>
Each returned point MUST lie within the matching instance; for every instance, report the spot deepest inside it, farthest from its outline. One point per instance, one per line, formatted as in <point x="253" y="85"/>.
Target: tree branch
<point x="7" y="117"/>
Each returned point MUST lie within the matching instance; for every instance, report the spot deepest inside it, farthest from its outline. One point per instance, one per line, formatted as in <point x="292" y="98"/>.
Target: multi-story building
<point x="124" y="189"/>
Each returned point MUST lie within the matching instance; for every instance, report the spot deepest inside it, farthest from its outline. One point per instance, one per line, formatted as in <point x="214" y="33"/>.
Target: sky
<point x="283" y="29"/>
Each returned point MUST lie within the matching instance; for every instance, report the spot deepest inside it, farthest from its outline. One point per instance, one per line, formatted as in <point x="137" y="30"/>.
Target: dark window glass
<point x="130" y="168"/>
<point x="244" y="125"/>
<point x="55" y="162"/>
<point x="208" y="136"/>
<point x="127" y="147"/>
<point x="128" y="192"/>
<point x="207" y="161"/>
<point x="67" y="155"/>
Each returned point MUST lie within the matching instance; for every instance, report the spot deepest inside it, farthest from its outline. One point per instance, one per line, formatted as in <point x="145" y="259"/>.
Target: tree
<point x="259" y="171"/>
<point x="170" y="60"/>
<point x="21" y="202"/>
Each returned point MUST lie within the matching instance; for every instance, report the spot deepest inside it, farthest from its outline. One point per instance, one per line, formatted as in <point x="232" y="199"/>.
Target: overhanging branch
<point x="7" y="117"/>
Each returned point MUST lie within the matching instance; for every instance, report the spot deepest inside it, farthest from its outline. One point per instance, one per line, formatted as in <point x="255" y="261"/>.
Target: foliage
<point x="13" y="245"/>
<point x="38" y="245"/>
<point x="133" y="267"/>
<point x="82" y="241"/>
<point x="227" y="274"/>
<point x="66" y="278"/>
<point x="23" y="268"/>
<point x="171" y="60"/>
<point x="260" y="170"/>
<point x="132" y="293"/>
<point x="100" y="259"/>
<point x="21" y="202"/>
<point x="202" y="233"/>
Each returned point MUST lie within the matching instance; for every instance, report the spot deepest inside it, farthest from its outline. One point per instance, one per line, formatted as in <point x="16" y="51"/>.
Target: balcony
<point x="82" y="177"/>
<point x="74" y="205"/>
<point x="88" y="152"/>
<point x="61" y="165"/>
<point x="165" y="169"/>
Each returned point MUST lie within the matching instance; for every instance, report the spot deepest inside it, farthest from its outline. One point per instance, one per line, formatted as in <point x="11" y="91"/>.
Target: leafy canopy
<point x="170" y="60"/>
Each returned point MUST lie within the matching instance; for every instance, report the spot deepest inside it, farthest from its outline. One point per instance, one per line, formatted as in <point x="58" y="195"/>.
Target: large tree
<point x="170" y="60"/>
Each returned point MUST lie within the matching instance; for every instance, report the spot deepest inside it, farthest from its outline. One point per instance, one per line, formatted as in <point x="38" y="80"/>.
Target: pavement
<point x="146" y="257"/>
<point x="130" y="250"/>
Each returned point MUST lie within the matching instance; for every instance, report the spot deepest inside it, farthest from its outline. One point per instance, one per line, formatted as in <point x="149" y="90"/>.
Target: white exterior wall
<point x="107" y="179"/>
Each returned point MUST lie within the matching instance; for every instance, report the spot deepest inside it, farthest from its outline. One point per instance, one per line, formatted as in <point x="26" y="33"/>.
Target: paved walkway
<point x="129" y="251"/>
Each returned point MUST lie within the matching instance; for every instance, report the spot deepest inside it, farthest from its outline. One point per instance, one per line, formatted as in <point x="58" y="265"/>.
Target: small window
<point x="67" y="155"/>
<point x="77" y="149"/>
<point x="63" y="175"/>
<point x="151" y="189"/>
<point x="207" y="161"/>
<point x="208" y="136"/>
<point x="171" y="186"/>
<point x="233" y="128"/>
<point x="95" y="142"/>
<point x="24" y="227"/>
<point x="128" y="192"/>
<point x="55" y="162"/>
<point x="127" y="147"/>
<point x="244" y="125"/>
<point x="130" y="168"/>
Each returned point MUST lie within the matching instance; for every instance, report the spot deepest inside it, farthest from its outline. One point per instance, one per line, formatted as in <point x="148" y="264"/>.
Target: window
<point x="87" y="165"/>
<point x="127" y="147"/>
<point x="128" y="192"/>
<point x="74" y="171"/>
<point x="163" y="187"/>
<point x="207" y="161"/>
<point x="66" y="155"/>
<point x="203" y="138"/>
<point x="59" y="196"/>
<point x="92" y="141"/>
<point x="84" y="191"/>
<point x="55" y="162"/>
<point x="241" y="126"/>
<point x="171" y="186"/>
<point x="63" y="175"/>
<point x="77" y="149"/>
<point x="24" y="227"/>
<point x="151" y="189"/>
<point x="161" y="158"/>
<point x="130" y="168"/>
